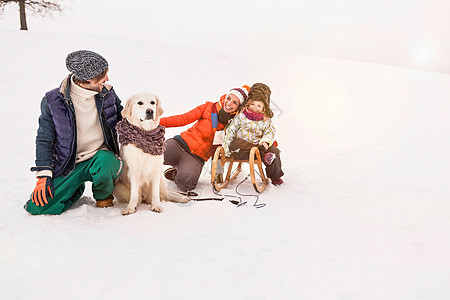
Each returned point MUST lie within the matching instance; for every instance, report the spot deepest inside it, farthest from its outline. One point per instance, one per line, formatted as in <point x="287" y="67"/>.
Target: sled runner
<point x="254" y="159"/>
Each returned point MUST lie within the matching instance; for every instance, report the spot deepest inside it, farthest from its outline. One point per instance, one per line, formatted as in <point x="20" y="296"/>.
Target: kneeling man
<point x="76" y="139"/>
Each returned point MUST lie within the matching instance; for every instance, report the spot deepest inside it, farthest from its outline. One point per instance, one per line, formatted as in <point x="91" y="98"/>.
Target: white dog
<point x="142" y="141"/>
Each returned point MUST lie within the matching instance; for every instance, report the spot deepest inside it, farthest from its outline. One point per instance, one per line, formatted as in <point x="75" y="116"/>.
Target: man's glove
<point x="43" y="190"/>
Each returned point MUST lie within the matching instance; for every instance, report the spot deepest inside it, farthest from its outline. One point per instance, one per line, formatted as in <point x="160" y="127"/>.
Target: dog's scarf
<point x="151" y="142"/>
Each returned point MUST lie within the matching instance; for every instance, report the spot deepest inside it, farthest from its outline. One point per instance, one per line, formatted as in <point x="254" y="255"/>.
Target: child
<point x="253" y="127"/>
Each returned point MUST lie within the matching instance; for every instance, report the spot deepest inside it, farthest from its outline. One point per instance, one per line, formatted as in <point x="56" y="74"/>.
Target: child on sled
<point x="253" y="127"/>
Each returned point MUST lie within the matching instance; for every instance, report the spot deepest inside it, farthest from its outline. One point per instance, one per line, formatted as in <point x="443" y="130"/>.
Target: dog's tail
<point x="171" y="196"/>
<point x="176" y="197"/>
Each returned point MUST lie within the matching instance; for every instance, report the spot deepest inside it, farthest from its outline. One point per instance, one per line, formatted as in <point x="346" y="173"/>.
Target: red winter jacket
<point x="200" y="136"/>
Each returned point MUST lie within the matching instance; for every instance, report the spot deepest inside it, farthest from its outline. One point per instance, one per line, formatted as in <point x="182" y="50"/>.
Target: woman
<point x="188" y="152"/>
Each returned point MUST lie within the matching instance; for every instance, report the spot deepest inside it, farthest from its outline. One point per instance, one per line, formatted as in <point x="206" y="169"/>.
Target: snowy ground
<point x="363" y="214"/>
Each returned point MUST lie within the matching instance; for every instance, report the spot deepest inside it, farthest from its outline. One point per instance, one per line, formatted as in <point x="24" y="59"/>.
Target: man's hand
<point x="43" y="190"/>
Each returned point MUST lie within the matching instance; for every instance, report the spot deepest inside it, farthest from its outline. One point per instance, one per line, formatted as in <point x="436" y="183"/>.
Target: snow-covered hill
<point x="363" y="214"/>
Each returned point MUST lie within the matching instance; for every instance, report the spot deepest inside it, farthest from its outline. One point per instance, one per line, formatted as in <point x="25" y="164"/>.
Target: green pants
<point x="102" y="170"/>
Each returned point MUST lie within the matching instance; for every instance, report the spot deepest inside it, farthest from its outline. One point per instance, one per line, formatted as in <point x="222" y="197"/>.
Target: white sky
<point x="411" y="33"/>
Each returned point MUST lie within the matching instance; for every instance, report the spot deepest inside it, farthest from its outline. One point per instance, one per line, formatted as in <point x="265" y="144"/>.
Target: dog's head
<point x="143" y="110"/>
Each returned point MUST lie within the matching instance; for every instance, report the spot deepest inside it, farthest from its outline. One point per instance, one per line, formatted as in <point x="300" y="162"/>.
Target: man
<point x="76" y="139"/>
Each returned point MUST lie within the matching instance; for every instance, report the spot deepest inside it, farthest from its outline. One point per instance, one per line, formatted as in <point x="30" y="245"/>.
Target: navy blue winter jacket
<point x="56" y="140"/>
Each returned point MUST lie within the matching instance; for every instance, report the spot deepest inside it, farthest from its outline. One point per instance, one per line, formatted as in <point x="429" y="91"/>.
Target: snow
<point x="406" y="33"/>
<point x="363" y="213"/>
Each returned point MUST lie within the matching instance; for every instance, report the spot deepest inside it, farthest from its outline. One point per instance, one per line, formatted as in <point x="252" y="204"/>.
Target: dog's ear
<point x="126" y="112"/>
<point x="159" y="109"/>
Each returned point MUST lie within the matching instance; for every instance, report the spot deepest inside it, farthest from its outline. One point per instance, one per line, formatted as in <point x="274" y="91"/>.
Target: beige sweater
<point x="89" y="131"/>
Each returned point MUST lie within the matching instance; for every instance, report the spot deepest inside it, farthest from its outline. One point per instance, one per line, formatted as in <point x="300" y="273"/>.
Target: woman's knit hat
<point x="85" y="64"/>
<point x="241" y="93"/>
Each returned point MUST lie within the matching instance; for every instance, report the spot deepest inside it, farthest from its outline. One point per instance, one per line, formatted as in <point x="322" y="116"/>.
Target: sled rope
<point x="194" y="194"/>
<point x="256" y="204"/>
<point x="240" y="203"/>
<point x="231" y="196"/>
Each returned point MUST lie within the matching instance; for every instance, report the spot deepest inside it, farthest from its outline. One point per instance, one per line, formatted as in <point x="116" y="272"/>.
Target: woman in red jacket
<point x="188" y="152"/>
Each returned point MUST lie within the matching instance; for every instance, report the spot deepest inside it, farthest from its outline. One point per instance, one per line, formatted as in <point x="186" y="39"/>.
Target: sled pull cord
<point x="256" y="204"/>
<point x="194" y="194"/>
<point x="235" y="202"/>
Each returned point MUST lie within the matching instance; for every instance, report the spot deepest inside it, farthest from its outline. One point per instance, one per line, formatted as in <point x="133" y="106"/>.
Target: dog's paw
<point x="129" y="211"/>
<point x="156" y="208"/>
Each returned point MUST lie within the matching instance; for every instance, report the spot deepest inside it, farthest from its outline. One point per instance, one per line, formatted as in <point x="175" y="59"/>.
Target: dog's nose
<point x="149" y="113"/>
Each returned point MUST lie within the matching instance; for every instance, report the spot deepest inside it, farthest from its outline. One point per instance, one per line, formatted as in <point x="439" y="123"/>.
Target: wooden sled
<point x="254" y="158"/>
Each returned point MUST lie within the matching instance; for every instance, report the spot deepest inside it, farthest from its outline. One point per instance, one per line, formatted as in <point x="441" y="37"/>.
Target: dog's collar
<point x="149" y="141"/>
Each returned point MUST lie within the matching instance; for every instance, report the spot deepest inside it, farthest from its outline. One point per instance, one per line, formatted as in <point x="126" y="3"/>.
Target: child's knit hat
<point x="85" y="64"/>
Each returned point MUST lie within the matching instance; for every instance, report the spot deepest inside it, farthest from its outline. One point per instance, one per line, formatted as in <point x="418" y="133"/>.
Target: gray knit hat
<point x="85" y="64"/>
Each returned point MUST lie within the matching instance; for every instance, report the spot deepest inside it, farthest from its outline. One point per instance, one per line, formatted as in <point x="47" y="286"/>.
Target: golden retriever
<point x="142" y="178"/>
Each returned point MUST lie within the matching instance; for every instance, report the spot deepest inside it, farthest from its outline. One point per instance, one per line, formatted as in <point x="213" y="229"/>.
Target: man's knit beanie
<point x="85" y="64"/>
